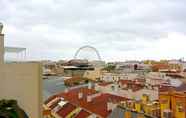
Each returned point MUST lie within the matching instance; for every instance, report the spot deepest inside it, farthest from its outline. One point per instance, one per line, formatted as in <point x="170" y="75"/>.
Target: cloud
<point x="130" y="29"/>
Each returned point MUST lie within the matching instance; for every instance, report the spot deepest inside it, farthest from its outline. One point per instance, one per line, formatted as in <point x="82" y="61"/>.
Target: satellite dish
<point x="1" y="27"/>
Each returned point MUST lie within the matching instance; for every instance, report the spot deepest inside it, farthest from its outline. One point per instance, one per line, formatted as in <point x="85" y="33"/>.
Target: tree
<point x="110" y="68"/>
<point x="10" y="109"/>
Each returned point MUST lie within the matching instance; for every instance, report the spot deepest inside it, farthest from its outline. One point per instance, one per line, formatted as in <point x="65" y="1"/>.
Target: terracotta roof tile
<point x="105" y="83"/>
<point x="66" y="109"/>
<point x="165" y="88"/>
<point x="98" y="105"/>
<point x="83" y="114"/>
<point x="125" y="81"/>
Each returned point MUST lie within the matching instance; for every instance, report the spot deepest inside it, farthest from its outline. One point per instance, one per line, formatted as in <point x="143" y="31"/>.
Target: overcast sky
<point x="118" y="29"/>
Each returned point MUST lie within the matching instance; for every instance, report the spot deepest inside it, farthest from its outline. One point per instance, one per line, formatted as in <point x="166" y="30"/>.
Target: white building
<point x="114" y="89"/>
<point x="114" y="77"/>
<point x="156" y="78"/>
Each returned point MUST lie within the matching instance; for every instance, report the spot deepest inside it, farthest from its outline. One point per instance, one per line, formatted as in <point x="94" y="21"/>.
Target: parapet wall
<point x="22" y="81"/>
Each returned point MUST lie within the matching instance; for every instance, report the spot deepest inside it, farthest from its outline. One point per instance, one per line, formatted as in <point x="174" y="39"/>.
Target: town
<point x="82" y="88"/>
<point x="130" y="89"/>
<point x="92" y="59"/>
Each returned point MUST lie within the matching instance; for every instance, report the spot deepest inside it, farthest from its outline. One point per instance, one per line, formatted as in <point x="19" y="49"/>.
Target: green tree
<point x="110" y="68"/>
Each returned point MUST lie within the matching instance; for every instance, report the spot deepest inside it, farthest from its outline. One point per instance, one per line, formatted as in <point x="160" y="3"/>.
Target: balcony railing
<point x="14" y="54"/>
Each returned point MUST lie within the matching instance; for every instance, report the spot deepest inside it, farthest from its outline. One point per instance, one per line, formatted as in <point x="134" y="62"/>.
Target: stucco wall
<point x="22" y="81"/>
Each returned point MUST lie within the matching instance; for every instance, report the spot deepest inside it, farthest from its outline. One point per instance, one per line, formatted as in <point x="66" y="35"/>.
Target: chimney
<point x="96" y="87"/>
<point x="89" y="85"/>
<point x="66" y="90"/>
<point x="108" y="106"/>
<point x="80" y="95"/>
<point x="111" y="106"/>
<point x="89" y="99"/>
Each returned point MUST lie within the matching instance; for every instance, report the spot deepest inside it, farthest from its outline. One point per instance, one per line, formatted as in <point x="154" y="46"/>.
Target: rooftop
<point x="105" y="83"/>
<point x="83" y="114"/>
<point x="98" y="104"/>
<point x="65" y="110"/>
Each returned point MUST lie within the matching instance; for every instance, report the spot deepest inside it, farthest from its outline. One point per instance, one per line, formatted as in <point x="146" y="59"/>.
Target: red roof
<point x="134" y="85"/>
<point x="139" y="80"/>
<point x="125" y="81"/>
<point x="176" y="75"/>
<point x="66" y="109"/>
<point x="136" y="81"/>
<point x="98" y="105"/>
<point x="105" y="83"/>
<point x="83" y="114"/>
<point x="72" y="95"/>
<point x="156" y="67"/>
<point x="164" y="88"/>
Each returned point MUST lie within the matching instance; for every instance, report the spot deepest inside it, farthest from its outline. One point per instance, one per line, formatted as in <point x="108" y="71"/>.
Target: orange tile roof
<point x="104" y="83"/>
<point x="139" y="79"/>
<point x="72" y="95"/>
<point x="98" y="105"/>
<point x="125" y="81"/>
<point x="66" y="109"/>
<point x="165" y="88"/>
<point x="83" y="114"/>
<point x="176" y="75"/>
<point x="134" y="85"/>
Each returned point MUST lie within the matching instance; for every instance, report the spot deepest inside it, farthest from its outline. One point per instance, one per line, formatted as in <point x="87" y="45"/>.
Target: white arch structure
<point x="89" y="47"/>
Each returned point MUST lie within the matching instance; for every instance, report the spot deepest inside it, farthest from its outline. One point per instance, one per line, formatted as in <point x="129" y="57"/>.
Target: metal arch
<point x="90" y="47"/>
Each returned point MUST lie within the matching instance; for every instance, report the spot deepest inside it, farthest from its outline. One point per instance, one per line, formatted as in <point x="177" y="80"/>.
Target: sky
<point x="119" y="29"/>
